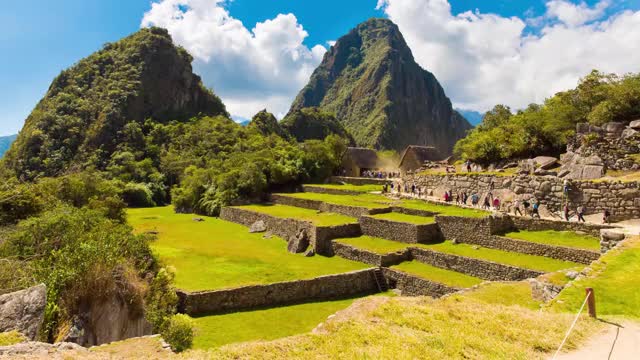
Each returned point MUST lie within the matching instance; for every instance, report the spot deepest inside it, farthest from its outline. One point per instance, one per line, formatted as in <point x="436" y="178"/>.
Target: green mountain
<point x="90" y="109"/>
<point x="371" y="81"/>
<point x="267" y="124"/>
<point x="313" y="124"/>
<point x="5" y="143"/>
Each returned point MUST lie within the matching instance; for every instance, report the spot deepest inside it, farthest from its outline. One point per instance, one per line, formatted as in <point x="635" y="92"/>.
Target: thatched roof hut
<point x="355" y="160"/>
<point x="414" y="156"/>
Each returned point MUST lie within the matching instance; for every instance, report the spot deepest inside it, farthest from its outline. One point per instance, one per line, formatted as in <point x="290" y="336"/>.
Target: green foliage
<point x="161" y="300"/>
<point x="138" y="195"/>
<point x="179" y="332"/>
<point x="82" y="257"/>
<point x="312" y="123"/>
<point x="267" y="124"/>
<point x="545" y="129"/>
<point x="18" y="202"/>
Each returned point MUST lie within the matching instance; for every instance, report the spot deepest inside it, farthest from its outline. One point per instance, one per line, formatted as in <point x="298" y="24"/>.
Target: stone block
<point x="635" y="125"/>
<point x="23" y="311"/>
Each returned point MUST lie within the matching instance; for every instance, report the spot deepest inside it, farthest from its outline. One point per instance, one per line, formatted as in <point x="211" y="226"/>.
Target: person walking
<point x="464" y="198"/>
<point x="566" y="211"/>
<point x="516" y="208"/>
<point x="536" y="210"/>
<point x="468" y="163"/>
<point x="580" y="211"/>
<point x="486" y="205"/>
<point x="474" y="199"/>
<point x="525" y="205"/>
<point x="606" y="217"/>
<point x="496" y="204"/>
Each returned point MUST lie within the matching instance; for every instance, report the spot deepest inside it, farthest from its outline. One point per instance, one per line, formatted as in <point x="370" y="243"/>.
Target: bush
<point x="138" y="195"/>
<point x="179" y="332"/>
<point x="161" y="300"/>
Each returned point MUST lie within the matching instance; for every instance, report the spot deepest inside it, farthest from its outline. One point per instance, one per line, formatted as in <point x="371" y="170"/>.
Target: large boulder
<point x="258" y="227"/>
<point x="40" y="350"/>
<point x="298" y="243"/>
<point x="635" y="125"/>
<point x="614" y="128"/>
<point x="23" y="310"/>
<point x="545" y="162"/>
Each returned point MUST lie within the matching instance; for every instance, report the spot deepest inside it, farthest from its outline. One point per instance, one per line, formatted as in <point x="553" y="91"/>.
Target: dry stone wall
<point x="411" y="285"/>
<point x="523" y="223"/>
<point x="525" y="247"/>
<point x="369" y="257"/>
<point x="323" y="190"/>
<point x="483" y="269"/>
<point x="353" y="211"/>
<point x="319" y="236"/>
<point x="621" y="198"/>
<point x="400" y="231"/>
<point x="359" y="181"/>
<point x="285" y="293"/>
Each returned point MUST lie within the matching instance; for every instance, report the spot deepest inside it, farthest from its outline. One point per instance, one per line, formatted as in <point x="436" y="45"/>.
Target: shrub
<point x="161" y="300"/>
<point x="179" y="332"/>
<point x="138" y="195"/>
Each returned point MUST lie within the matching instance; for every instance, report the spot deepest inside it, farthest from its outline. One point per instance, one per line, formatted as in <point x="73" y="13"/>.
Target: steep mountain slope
<point x="371" y="81"/>
<point x="81" y="121"/>
<point x="313" y="124"/>
<point x="5" y="143"/>
<point x="267" y="124"/>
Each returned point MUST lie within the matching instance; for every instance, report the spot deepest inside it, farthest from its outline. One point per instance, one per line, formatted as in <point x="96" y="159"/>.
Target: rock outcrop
<point x="371" y="81"/>
<point x="23" y="311"/>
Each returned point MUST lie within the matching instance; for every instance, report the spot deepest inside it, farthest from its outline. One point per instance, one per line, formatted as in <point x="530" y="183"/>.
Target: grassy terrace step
<point x="442" y="276"/>
<point x="375" y="244"/>
<point x="292" y="212"/>
<point x="449" y="210"/>
<point x="349" y="187"/>
<point x="531" y="262"/>
<point x="371" y="201"/>
<point x="412" y="219"/>
<point x="216" y="254"/>
<point x="558" y="238"/>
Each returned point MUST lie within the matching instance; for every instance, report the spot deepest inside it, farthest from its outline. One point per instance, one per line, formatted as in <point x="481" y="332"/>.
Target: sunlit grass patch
<point x="558" y="238"/>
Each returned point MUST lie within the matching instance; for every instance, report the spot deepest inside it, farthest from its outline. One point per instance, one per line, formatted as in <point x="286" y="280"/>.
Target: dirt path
<point x="614" y="342"/>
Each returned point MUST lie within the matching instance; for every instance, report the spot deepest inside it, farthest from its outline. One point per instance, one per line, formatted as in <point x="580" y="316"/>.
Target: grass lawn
<point x="292" y="212"/>
<point x="370" y="201"/>
<point x="615" y="278"/>
<point x="531" y="262"/>
<point x="216" y="254"/>
<point x="412" y="219"/>
<point x="449" y="210"/>
<point x="265" y="324"/>
<point x="558" y="238"/>
<point x="349" y="187"/>
<point x="446" y="277"/>
<point x="374" y="244"/>
<point x="503" y="293"/>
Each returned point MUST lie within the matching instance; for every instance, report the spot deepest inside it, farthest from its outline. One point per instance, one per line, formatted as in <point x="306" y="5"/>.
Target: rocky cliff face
<point x="83" y="117"/>
<point x="371" y="81"/>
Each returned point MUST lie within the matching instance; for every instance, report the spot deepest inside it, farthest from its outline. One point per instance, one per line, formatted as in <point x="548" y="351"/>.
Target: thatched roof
<point x="363" y="158"/>
<point x="422" y="154"/>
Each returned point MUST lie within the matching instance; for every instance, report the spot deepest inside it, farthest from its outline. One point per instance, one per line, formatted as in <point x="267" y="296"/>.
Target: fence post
<point x="591" y="302"/>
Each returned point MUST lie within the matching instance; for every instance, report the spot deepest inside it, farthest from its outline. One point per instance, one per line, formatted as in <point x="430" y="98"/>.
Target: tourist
<point x="446" y="196"/>
<point x="468" y="163"/>
<point x="565" y="187"/>
<point x="580" y="212"/>
<point x="606" y="217"/>
<point x="536" y="210"/>
<point x="566" y="211"/>
<point x="413" y="188"/>
<point x="384" y="188"/>
<point x="516" y="208"/>
<point x="457" y="198"/>
<point x="525" y="205"/>
<point x="496" y="204"/>
<point x="464" y="198"/>
<point x="474" y="199"/>
<point x="486" y="204"/>
<point x="419" y="191"/>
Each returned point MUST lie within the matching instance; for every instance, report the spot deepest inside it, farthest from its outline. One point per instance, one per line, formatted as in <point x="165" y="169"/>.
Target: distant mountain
<point x="473" y="117"/>
<point x="5" y="143"/>
<point x="97" y="107"/>
<point x="371" y="82"/>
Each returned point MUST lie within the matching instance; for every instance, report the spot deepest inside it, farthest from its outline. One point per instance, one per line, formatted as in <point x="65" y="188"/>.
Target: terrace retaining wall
<point x="358" y="180"/>
<point x="400" y="231"/>
<point x="411" y="285"/>
<point x="483" y="269"/>
<point x="414" y="212"/>
<point x="347" y="210"/>
<point x="369" y="257"/>
<point x="319" y="236"/>
<point x="467" y="229"/>
<point x="323" y="190"/>
<point x="621" y="198"/>
<point x="523" y="223"/>
<point x="322" y="288"/>
<point x="581" y="256"/>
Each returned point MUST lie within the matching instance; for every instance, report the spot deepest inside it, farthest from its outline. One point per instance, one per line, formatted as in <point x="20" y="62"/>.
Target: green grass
<point x="349" y="187"/>
<point x="446" y="277"/>
<point x="531" y="262"/>
<point x="374" y="244"/>
<point x="216" y="254"/>
<point x="558" y="238"/>
<point x="449" y="210"/>
<point x="502" y="293"/>
<point x="412" y="219"/>
<point x="264" y="324"/>
<point x="615" y="279"/>
<point x="292" y="212"/>
<point x="11" y="338"/>
<point x="370" y="201"/>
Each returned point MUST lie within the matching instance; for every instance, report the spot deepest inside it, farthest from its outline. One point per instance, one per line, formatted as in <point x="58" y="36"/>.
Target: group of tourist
<point x="379" y="174"/>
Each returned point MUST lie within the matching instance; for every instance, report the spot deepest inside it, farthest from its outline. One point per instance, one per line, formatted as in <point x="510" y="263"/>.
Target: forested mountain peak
<point x="371" y="81"/>
<point x="83" y="118"/>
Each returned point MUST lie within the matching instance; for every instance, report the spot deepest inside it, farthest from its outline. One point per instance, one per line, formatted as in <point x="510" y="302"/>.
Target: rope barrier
<point x="572" y="326"/>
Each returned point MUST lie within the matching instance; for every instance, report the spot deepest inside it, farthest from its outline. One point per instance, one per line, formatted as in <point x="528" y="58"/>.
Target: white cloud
<point x="249" y="69"/>
<point x="575" y="14"/>
<point x="485" y="59"/>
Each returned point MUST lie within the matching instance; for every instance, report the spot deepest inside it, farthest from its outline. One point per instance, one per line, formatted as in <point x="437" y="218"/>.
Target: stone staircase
<point x="381" y="281"/>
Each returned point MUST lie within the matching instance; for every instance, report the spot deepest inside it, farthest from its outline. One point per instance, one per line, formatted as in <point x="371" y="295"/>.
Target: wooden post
<point x="591" y="302"/>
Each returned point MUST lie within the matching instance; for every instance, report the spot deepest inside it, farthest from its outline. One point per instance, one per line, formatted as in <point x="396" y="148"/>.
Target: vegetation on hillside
<point x="5" y="143"/>
<point x="313" y="124"/>
<point x="544" y="129"/>
<point x="267" y="124"/>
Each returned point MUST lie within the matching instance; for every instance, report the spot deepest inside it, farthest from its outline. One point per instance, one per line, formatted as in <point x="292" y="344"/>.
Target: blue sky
<point x="39" y="38"/>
